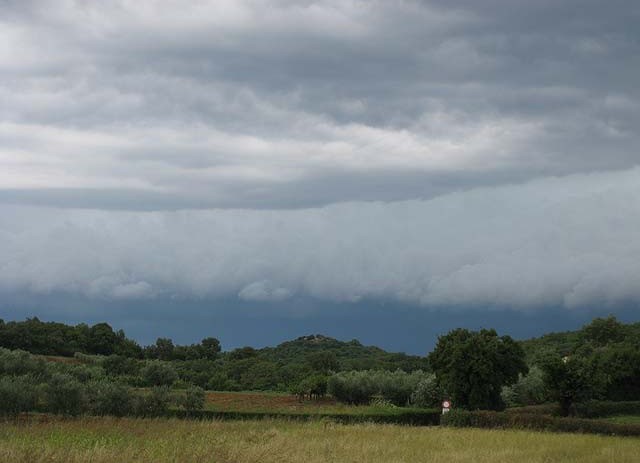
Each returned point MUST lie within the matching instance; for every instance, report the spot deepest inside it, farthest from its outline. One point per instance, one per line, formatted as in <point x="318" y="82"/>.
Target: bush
<point x="543" y="409"/>
<point x="530" y="389"/>
<point x="108" y="398"/>
<point x="193" y="398"/>
<point x="154" y="403"/>
<point x="19" y="362"/>
<point x="397" y="386"/>
<point x="312" y="387"/>
<point x="487" y="419"/>
<point x="598" y="408"/>
<point x="157" y="373"/>
<point x="427" y="393"/>
<point x="353" y="387"/>
<point x="358" y="387"/>
<point x="118" y="365"/>
<point x="509" y="396"/>
<point x="65" y="394"/>
<point x="17" y="395"/>
<point x="86" y="358"/>
<point x="84" y="373"/>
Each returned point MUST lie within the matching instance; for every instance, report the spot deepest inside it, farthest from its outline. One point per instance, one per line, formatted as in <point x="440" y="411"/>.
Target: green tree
<point x="164" y="349"/>
<point x="210" y="348"/>
<point x="158" y="373"/>
<point x="603" y="331"/>
<point x="474" y="366"/>
<point x="323" y="362"/>
<point x="102" y="340"/>
<point x="572" y="379"/>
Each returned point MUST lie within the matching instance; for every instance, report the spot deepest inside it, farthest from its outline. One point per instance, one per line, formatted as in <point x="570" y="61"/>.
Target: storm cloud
<point x="146" y="105"/>
<point x="438" y="154"/>
<point x="569" y="242"/>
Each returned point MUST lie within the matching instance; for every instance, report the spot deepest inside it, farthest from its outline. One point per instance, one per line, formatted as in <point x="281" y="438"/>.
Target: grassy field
<point x="135" y="440"/>
<point x="624" y="419"/>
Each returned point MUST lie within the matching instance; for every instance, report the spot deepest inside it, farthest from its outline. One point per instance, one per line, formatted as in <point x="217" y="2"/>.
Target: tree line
<point x="473" y="369"/>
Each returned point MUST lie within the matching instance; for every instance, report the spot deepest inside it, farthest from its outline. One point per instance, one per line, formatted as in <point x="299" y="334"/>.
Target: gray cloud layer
<point x="148" y="105"/>
<point x="569" y="242"/>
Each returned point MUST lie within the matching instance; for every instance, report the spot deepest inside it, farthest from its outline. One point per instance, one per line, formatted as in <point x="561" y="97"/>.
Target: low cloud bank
<point x="569" y="242"/>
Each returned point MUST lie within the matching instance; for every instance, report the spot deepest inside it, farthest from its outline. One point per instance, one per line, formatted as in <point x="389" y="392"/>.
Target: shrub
<point x="427" y="393"/>
<point x="509" y="396"/>
<point x="84" y="373"/>
<point x="530" y="389"/>
<point x="397" y="386"/>
<point x="353" y="387"/>
<point x="19" y="362"/>
<point x="17" y="395"/>
<point x="598" y="408"/>
<point x="542" y="409"/>
<point x="357" y="387"/>
<point x="65" y="394"/>
<point x="86" y="358"/>
<point x="193" y="398"/>
<point x="108" y="398"/>
<point x="312" y="387"/>
<point x="118" y="365"/>
<point x="154" y="403"/>
<point x="157" y="373"/>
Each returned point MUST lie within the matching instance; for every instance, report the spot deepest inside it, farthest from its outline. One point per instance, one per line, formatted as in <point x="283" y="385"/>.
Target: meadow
<point x="168" y="440"/>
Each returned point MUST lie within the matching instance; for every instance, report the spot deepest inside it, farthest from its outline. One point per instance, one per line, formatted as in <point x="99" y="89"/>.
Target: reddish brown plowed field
<point x="247" y="401"/>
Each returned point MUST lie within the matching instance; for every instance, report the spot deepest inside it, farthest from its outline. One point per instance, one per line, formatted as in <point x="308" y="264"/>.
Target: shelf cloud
<point x="437" y="154"/>
<point x="568" y="241"/>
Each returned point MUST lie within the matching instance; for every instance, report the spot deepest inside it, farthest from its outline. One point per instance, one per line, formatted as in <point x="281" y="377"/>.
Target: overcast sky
<point x="306" y="158"/>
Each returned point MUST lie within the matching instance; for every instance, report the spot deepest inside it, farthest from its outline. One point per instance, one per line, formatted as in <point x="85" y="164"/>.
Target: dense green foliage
<point x="359" y="387"/>
<point x="294" y="365"/>
<point x="600" y="361"/>
<point x="427" y="393"/>
<point x="50" y="338"/>
<point x="604" y="331"/>
<point x="28" y="383"/>
<point x="472" y="367"/>
<point x="530" y="389"/>
<point x="477" y="370"/>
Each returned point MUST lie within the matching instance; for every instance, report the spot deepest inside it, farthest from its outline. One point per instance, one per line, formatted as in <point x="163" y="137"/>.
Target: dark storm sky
<point x="384" y="169"/>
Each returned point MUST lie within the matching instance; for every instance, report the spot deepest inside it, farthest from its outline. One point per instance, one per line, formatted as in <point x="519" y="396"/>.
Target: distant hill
<point x="350" y="355"/>
<point x="318" y="352"/>
<point x="325" y="353"/>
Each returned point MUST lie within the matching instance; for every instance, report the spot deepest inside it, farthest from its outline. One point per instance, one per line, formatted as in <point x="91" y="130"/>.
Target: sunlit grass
<point x="624" y="419"/>
<point x="165" y="440"/>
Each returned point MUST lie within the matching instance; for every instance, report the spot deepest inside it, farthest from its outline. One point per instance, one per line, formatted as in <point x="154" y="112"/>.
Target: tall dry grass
<point x="162" y="440"/>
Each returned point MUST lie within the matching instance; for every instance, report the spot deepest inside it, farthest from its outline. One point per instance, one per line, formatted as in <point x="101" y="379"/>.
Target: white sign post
<point x="446" y="406"/>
